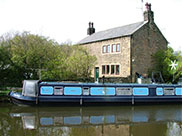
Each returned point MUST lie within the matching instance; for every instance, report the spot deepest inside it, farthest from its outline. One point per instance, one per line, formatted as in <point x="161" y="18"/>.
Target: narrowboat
<point x="36" y="92"/>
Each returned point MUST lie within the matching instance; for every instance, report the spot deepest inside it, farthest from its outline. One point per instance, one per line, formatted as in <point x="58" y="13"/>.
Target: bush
<point x="27" y="56"/>
<point x="162" y="62"/>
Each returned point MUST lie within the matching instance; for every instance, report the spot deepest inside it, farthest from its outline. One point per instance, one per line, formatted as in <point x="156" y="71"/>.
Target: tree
<point x="27" y="56"/>
<point x="24" y="54"/>
<point x="33" y="52"/>
<point x="179" y="68"/>
<point x="80" y="63"/>
<point x="6" y="70"/>
<point x="162" y="61"/>
<point x="72" y="63"/>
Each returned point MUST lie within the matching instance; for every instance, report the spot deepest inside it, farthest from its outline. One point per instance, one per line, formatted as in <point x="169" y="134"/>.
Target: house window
<point x="103" y="69"/>
<point x="112" y="69"/>
<point x="107" y="69"/>
<point x="114" y="48"/>
<point x="104" y="49"/>
<point x="108" y="48"/>
<point x="118" y="47"/>
<point x="117" y="69"/>
<point x="111" y="48"/>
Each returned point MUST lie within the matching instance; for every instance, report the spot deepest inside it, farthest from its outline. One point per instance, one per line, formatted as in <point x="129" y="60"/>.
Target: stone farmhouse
<point x="124" y="51"/>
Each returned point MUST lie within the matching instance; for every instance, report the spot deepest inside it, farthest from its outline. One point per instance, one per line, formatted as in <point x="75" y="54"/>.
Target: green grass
<point x="4" y="93"/>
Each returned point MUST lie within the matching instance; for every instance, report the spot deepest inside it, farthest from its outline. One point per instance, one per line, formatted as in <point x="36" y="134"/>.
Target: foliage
<point x="27" y="56"/>
<point x="179" y="69"/>
<point x="72" y="63"/>
<point x="162" y="60"/>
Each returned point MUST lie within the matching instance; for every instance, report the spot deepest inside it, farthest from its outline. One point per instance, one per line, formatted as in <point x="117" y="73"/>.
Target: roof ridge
<point x="122" y="26"/>
<point x="113" y="32"/>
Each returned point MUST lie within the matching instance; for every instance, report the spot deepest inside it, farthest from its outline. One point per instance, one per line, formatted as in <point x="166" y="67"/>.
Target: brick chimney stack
<point x="148" y="13"/>
<point x="91" y="29"/>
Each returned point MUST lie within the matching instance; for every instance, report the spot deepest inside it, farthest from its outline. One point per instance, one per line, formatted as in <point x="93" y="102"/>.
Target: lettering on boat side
<point x="168" y="91"/>
<point x="102" y="91"/>
<point x="46" y="90"/>
<point x="86" y="90"/>
<point x="58" y="90"/>
<point x="124" y="91"/>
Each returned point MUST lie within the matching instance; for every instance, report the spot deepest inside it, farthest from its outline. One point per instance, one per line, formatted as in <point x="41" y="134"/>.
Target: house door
<point x="96" y="74"/>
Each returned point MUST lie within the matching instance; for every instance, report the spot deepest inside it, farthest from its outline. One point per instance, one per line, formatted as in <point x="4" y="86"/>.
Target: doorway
<point x="96" y="74"/>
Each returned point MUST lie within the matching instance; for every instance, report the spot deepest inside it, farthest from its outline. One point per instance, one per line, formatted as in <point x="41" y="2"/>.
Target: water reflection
<point x="163" y="120"/>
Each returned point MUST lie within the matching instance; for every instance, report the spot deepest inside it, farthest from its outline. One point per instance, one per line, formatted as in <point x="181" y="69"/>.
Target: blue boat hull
<point x="57" y="93"/>
<point x="17" y="98"/>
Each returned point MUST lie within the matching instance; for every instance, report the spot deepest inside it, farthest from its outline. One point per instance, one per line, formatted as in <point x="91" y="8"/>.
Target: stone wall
<point x="115" y="80"/>
<point x="145" y="42"/>
<point x="121" y="58"/>
<point x="135" y="53"/>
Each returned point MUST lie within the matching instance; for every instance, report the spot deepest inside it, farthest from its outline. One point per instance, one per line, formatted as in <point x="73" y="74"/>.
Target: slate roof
<point x="113" y="33"/>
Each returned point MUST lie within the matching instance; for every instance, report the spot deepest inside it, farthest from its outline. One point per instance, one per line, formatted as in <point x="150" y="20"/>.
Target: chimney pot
<point x="91" y="29"/>
<point x="148" y="14"/>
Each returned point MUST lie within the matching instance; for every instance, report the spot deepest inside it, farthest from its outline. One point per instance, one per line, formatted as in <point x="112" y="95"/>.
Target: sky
<point x="66" y="21"/>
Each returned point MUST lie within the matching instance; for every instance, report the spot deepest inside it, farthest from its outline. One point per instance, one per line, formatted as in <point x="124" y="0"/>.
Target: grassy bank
<point x="4" y="91"/>
<point x="4" y="96"/>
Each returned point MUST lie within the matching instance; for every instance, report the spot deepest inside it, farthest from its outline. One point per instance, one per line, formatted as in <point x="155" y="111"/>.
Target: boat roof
<point x="107" y="84"/>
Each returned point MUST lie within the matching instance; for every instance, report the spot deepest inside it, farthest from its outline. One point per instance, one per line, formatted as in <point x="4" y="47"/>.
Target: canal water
<point x="153" y="120"/>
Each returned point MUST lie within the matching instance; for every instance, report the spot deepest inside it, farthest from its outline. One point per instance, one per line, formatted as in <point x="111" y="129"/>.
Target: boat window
<point x="168" y="91"/>
<point x="140" y="91"/>
<point x="124" y="91"/>
<point x="58" y="90"/>
<point x="46" y="90"/>
<point x="72" y="91"/>
<point x="86" y="91"/>
<point x="102" y="91"/>
<point x="159" y="91"/>
<point x="178" y="91"/>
